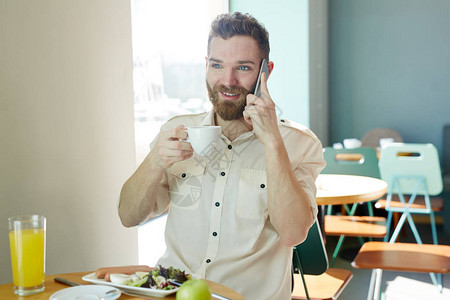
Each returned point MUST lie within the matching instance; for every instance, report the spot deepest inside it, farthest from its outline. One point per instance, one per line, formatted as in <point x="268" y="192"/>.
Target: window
<point x="169" y="49"/>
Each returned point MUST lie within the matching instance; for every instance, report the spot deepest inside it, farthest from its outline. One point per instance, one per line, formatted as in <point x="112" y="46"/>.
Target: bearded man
<point x="234" y="214"/>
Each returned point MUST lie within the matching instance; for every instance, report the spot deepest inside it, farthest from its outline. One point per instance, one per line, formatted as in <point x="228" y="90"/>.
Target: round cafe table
<point x="7" y="292"/>
<point x="347" y="189"/>
<point x="335" y="189"/>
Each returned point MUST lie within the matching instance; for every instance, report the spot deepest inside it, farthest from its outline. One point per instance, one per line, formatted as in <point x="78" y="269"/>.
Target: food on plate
<point x="104" y="273"/>
<point x="156" y="278"/>
<point x="120" y="278"/>
<point x="194" y="289"/>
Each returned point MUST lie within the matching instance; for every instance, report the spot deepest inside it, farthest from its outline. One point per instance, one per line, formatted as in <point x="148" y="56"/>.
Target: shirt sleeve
<point x="308" y="169"/>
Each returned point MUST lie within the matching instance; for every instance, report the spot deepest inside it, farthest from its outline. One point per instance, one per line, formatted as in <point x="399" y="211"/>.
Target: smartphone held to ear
<point x="263" y="69"/>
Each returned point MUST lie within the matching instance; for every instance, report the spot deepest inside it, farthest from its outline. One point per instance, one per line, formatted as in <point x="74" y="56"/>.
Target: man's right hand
<point x="169" y="147"/>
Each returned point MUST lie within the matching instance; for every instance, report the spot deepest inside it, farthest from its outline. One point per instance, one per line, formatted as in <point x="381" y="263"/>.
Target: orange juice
<point x="28" y="256"/>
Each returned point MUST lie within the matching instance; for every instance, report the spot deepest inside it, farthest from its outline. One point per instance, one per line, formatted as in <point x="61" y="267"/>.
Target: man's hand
<point x="169" y="148"/>
<point x="261" y="114"/>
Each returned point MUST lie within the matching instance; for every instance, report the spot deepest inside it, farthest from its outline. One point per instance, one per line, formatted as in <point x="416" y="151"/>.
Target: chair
<point x="372" y="137"/>
<point x="312" y="277"/>
<point x="412" y="172"/>
<point x="409" y="257"/>
<point x="345" y="161"/>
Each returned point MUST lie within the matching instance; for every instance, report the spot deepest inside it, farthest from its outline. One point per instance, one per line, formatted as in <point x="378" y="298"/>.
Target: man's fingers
<point x="179" y="145"/>
<point x="264" y="84"/>
<point x="247" y="117"/>
<point x="179" y="132"/>
<point x="253" y="100"/>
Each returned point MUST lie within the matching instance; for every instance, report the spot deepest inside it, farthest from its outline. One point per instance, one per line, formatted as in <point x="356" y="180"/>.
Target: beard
<point x="226" y="109"/>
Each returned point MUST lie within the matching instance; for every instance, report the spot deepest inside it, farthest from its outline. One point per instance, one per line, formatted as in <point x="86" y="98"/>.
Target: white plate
<point x="86" y="292"/>
<point x="132" y="289"/>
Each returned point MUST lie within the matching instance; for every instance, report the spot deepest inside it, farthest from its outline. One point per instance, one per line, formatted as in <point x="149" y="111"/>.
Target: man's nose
<point x="230" y="78"/>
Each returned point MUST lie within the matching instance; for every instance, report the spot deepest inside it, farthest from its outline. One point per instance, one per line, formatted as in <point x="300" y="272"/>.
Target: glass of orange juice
<point x="27" y="247"/>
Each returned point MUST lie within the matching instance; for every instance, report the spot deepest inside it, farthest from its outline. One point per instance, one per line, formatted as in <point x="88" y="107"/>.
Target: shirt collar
<point x="208" y="120"/>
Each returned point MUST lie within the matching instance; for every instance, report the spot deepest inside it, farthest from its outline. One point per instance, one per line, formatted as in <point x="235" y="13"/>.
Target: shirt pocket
<point x="252" y="195"/>
<point x="185" y="184"/>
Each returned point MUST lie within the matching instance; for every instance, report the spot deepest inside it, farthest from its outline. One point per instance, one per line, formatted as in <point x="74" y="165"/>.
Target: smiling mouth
<point x="230" y="94"/>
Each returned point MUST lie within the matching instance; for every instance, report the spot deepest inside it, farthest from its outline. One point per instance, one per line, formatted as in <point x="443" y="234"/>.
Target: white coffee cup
<point x="203" y="138"/>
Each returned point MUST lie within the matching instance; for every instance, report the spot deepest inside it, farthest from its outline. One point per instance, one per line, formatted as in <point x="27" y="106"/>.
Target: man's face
<point x="231" y="73"/>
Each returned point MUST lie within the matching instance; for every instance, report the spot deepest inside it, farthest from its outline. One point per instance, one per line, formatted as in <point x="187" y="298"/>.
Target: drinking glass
<point x="27" y="247"/>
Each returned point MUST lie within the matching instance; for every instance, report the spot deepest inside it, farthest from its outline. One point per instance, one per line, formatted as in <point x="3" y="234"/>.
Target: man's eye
<point x="216" y="66"/>
<point x="243" y="68"/>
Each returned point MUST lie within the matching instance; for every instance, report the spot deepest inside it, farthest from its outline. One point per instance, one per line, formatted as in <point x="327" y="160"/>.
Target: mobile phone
<point x="263" y="68"/>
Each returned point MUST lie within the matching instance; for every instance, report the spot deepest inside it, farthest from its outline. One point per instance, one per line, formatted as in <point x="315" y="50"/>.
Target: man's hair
<point x="229" y="25"/>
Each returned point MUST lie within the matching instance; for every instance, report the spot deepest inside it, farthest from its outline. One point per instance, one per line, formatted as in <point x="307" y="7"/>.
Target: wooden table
<point x="7" y="292"/>
<point x="347" y="189"/>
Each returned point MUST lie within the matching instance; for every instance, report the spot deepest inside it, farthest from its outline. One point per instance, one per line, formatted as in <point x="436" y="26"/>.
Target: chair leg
<point x="299" y="262"/>
<point x="375" y="285"/>
<point x="388" y="226"/>
<point x="398" y="227"/>
<point x="437" y="281"/>
<point x="413" y="227"/>
<point x="370" y="208"/>
<point x="337" y="249"/>
<point x="372" y="284"/>
<point x="433" y="228"/>
<point x="361" y="240"/>
<point x="378" y="284"/>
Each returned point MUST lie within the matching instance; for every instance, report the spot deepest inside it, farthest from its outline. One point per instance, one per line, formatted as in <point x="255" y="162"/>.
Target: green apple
<point x="194" y="289"/>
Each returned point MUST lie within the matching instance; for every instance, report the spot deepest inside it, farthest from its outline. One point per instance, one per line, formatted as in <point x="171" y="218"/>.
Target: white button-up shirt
<point x="218" y="225"/>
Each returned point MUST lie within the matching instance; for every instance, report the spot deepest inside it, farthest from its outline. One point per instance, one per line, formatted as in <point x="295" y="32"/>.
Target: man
<point x="236" y="214"/>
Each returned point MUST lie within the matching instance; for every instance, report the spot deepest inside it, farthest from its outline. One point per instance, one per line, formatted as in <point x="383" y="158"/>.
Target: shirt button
<point x="214" y="233"/>
<point x="183" y="175"/>
<point x="230" y="147"/>
<point x="217" y="204"/>
<point x="262" y="185"/>
<point x="208" y="261"/>
<point x="222" y="173"/>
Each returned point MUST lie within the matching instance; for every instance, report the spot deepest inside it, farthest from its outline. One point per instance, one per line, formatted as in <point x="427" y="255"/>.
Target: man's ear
<point x="270" y="65"/>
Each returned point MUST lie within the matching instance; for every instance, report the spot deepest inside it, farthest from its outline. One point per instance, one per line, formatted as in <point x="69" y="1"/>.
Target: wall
<point x="287" y="23"/>
<point x="389" y="67"/>
<point x="66" y="128"/>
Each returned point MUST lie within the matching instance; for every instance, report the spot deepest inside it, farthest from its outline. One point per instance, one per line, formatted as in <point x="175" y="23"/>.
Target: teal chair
<point x="365" y="164"/>
<point x="312" y="277"/>
<point x="413" y="174"/>
<point x="412" y="171"/>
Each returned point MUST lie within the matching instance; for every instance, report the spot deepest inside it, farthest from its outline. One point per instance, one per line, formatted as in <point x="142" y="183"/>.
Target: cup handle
<point x="187" y="139"/>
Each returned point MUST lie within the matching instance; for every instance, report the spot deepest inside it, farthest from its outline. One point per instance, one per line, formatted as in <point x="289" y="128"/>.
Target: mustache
<point x="231" y="90"/>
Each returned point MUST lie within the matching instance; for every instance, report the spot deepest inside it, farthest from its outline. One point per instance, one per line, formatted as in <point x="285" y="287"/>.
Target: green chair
<point x="365" y="164"/>
<point x="312" y="277"/>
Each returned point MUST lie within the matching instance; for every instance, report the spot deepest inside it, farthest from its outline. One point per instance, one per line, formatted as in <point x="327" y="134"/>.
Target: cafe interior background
<point x="67" y="121"/>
